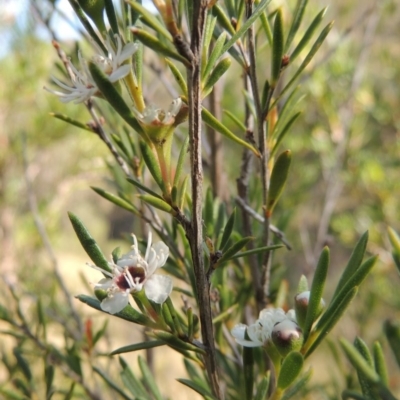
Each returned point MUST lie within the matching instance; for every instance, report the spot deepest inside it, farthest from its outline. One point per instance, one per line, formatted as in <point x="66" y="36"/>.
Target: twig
<point x="195" y="234"/>
<point x="248" y="210"/>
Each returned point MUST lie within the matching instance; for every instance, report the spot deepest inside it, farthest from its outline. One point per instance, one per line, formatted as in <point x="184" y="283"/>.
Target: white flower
<point x="132" y="273"/>
<point x="259" y="333"/>
<point x="158" y="116"/>
<point x="82" y="84"/>
<point x="114" y="63"/>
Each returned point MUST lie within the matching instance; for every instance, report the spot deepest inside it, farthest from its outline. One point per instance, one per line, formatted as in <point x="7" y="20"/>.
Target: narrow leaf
<point x="148" y="379"/>
<point x="366" y="386"/>
<point x="395" y="242"/>
<point x="380" y="363"/>
<point x="295" y="389"/>
<point x="308" y="34"/>
<point x="235" y="248"/>
<point x="143" y="187"/>
<point x="298" y="16"/>
<point x="216" y="74"/>
<point x="181" y="159"/>
<point x="156" y="202"/>
<point x="258" y="250"/>
<point x="317" y="289"/>
<point x="111" y="16"/>
<point x="283" y="133"/>
<point x="118" y="201"/>
<point x="138" y="346"/>
<point x="128" y="313"/>
<point x="262" y="389"/>
<point x="71" y="121"/>
<point x="111" y="382"/>
<point x="112" y="95"/>
<point x="153" y="43"/>
<point x="180" y="80"/>
<point x="197" y="388"/>
<point x="248" y="371"/>
<point x="175" y="342"/>
<point x="88" y="243"/>
<point x="215" y="54"/>
<point x="152" y="164"/>
<point x="290" y="370"/>
<point x="278" y="180"/>
<point x="392" y="332"/>
<point x="277" y="48"/>
<point x="227" y="231"/>
<point x="210" y="120"/>
<point x="354" y="262"/>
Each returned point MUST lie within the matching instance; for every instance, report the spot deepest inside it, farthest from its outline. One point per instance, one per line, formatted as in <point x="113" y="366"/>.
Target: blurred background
<point x="345" y="177"/>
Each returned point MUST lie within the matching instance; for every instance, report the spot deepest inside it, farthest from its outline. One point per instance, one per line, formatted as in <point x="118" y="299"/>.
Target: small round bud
<point x="287" y="336"/>
<point x="301" y="301"/>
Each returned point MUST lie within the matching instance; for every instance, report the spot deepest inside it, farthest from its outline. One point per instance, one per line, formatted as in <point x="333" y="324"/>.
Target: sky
<point x="14" y="13"/>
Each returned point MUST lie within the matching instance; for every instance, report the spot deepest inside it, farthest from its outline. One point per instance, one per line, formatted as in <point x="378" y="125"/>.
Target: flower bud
<point x="287" y="337"/>
<point x="301" y="301"/>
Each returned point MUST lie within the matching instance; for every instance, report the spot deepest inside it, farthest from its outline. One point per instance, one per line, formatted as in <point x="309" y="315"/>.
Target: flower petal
<point x="115" y="303"/>
<point x="158" y="288"/>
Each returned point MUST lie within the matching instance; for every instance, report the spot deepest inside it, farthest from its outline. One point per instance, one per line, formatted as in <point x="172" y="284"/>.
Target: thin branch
<point x="195" y="234"/>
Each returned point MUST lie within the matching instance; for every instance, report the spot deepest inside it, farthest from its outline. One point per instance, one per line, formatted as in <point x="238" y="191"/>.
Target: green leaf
<point x="227" y="231"/>
<point x="215" y="54"/>
<point x="22" y="363"/>
<point x="143" y="187"/>
<point x="329" y="319"/>
<point x="88" y="243"/>
<point x="231" y="251"/>
<point x="148" y="379"/>
<point x="277" y="48"/>
<point x="258" y="250"/>
<point x="303" y="285"/>
<point x="49" y="377"/>
<point x="354" y="262"/>
<point x="380" y="363"/>
<point x="152" y="164"/>
<point x="317" y="289"/>
<point x="293" y="391"/>
<point x="354" y="280"/>
<point x="317" y="44"/>
<point x="262" y="389"/>
<point x="138" y="346"/>
<point x="112" y="95"/>
<point x="150" y="20"/>
<point x="5" y="315"/>
<point x="392" y="332"/>
<point x="210" y="120"/>
<point x="243" y="29"/>
<point x="215" y="75"/>
<point x="395" y="242"/>
<point x="156" y="202"/>
<point x="133" y="384"/>
<point x="154" y="43"/>
<point x="366" y="387"/>
<point x="208" y="215"/>
<point x="236" y="120"/>
<point x="180" y="80"/>
<point x="298" y="16"/>
<point x="308" y="34"/>
<point x="85" y="22"/>
<point x="278" y="180"/>
<point x="71" y="121"/>
<point x="290" y="370"/>
<point x="111" y="16"/>
<point x="197" y="388"/>
<point x="283" y="132"/>
<point x="128" y="313"/>
<point x="111" y="382"/>
<point x="181" y="159"/>
<point x="359" y="362"/>
<point x="223" y="19"/>
<point x="176" y="343"/>
<point x="118" y="201"/>
<point x="70" y="393"/>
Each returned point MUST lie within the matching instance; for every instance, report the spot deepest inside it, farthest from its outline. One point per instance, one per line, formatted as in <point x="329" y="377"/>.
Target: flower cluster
<point x="114" y="63"/>
<point x="260" y="333"/>
<point x="132" y="273"/>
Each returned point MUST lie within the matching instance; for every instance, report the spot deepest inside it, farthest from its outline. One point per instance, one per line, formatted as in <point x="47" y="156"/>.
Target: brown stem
<point x="195" y="234"/>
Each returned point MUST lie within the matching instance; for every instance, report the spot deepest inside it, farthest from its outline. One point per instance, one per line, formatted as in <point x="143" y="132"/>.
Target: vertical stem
<point x="262" y="145"/>
<point x="215" y="141"/>
<point x="196" y="231"/>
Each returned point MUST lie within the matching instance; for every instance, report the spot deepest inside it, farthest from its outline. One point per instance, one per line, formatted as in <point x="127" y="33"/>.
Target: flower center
<point x="132" y="274"/>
